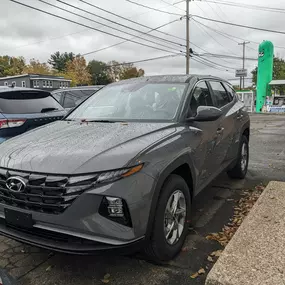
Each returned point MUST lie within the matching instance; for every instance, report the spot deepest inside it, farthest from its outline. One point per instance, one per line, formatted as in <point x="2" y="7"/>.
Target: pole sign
<point x="241" y="73"/>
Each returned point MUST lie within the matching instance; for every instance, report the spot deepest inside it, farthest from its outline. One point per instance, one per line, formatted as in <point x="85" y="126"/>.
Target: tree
<point x="10" y="66"/>
<point x="59" y="60"/>
<point x="131" y="72"/>
<point x="37" y="67"/>
<point x="118" y="71"/>
<point x="77" y="71"/>
<point x="99" y="72"/>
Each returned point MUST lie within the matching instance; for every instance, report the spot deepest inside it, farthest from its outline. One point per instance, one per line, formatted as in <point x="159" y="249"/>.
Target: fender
<point x="184" y="159"/>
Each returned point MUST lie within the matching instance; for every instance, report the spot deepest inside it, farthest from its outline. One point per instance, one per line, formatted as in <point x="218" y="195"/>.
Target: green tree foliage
<point x="99" y="72"/>
<point x="59" y="61"/>
<point x="10" y="66"/>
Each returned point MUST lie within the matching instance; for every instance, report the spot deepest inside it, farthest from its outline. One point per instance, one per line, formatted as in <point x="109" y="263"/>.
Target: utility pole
<point x="187" y="38"/>
<point x="243" y="62"/>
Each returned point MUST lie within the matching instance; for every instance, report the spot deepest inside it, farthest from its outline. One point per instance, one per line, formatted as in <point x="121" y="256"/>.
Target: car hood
<point x="66" y="147"/>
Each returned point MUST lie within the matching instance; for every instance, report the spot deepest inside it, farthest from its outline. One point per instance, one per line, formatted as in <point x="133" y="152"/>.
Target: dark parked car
<point x="71" y="97"/>
<point x="121" y="171"/>
<point x="23" y="109"/>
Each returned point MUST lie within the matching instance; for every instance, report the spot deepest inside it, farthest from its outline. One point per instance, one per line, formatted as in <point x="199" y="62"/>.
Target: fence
<point x="248" y="98"/>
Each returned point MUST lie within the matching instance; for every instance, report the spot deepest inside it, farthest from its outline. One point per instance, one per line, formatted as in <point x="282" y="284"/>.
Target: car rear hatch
<point x="25" y="110"/>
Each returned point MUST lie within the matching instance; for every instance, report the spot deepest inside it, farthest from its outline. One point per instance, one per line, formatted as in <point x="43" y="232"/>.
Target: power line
<point x="230" y="37"/>
<point x="145" y="60"/>
<point x="226" y="56"/>
<point x="213" y="38"/>
<point x="216" y="63"/>
<point x="174" y="5"/>
<point x="129" y="20"/>
<point x="119" y="43"/>
<point x="239" y="25"/>
<point x="106" y="19"/>
<point x="86" y="26"/>
<point x="79" y="32"/>
<point x="99" y="22"/>
<point x="204" y="62"/>
<point x="154" y="9"/>
<point x="253" y="7"/>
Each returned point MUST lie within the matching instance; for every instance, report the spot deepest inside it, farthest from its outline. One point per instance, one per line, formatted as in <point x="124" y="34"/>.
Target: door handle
<point x="220" y="131"/>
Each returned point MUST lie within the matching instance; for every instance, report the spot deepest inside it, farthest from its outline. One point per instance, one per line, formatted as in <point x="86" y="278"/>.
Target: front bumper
<point x="65" y="243"/>
<point x="80" y="229"/>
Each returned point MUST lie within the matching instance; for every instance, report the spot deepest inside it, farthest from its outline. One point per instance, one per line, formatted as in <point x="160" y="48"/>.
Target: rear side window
<point x="75" y="97"/>
<point x="19" y="102"/>
<point x="220" y="94"/>
<point x="231" y="91"/>
<point x="58" y="95"/>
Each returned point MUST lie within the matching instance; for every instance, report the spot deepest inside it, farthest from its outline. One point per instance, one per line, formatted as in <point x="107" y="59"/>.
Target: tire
<point x="159" y="248"/>
<point x="240" y="169"/>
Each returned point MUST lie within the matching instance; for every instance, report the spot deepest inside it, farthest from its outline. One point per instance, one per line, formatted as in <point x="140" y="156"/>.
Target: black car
<point x="71" y="97"/>
<point x="23" y="109"/>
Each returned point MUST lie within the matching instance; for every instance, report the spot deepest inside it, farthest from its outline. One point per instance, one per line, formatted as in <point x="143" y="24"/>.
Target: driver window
<point x="201" y="97"/>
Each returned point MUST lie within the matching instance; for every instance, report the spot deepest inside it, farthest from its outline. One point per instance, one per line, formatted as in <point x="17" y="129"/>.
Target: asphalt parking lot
<point x="213" y="208"/>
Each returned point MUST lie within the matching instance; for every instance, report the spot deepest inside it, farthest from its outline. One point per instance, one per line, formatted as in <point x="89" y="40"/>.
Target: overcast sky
<point x="32" y="34"/>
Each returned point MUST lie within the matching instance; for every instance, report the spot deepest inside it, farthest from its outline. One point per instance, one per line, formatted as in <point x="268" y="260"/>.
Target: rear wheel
<point x="240" y="169"/>
<point x="171" y="220"/>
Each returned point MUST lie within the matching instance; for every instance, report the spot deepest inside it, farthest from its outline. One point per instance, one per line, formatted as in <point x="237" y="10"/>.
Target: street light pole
<point x="187" y="38"/>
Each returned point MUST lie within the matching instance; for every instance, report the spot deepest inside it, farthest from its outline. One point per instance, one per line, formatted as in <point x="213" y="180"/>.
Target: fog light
<point x="115" y="209"/>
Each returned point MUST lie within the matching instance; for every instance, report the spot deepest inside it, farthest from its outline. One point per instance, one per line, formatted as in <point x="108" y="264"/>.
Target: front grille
<point x="43" y="192"/>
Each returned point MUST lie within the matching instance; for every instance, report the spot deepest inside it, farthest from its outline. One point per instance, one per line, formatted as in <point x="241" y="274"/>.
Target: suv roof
<point x="11" y="89"/>
<point x="177" y="78"/>
<point x="95" y="87"/>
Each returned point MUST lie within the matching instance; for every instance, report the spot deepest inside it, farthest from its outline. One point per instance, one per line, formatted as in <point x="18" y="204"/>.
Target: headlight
<point x="83" y="181"/>
<point x="117" y="174"/>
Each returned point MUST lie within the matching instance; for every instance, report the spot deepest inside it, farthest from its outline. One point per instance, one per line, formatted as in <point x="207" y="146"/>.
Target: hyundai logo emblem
<point x="16" y="184"/>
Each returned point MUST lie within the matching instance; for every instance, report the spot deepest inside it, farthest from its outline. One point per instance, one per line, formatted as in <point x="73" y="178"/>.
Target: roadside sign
<point x="241" y="72"/>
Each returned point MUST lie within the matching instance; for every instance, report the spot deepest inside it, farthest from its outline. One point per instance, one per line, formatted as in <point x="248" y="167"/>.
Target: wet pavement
<point x="213" y="208"/>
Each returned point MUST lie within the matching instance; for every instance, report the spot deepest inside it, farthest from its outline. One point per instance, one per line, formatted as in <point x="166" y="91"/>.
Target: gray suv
<point x="121" y="171"/>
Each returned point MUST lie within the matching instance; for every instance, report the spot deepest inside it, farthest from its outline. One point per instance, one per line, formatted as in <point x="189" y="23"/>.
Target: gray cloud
<point x="33" y="34"/>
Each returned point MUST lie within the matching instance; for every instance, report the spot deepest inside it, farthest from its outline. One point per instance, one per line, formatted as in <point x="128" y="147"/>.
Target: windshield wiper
<point x="45" y="110"/>
<point x="98" y="121"/>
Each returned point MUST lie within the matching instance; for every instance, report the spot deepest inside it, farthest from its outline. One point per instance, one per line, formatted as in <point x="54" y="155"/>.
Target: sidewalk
<point x="255" y="255"/>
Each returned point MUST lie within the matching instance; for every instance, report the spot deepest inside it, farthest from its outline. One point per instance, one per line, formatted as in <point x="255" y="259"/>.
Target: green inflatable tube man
<point x="264" y="73"/>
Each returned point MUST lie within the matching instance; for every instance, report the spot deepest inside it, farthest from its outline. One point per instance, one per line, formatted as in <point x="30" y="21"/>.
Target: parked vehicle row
<point x="120" y="172"/>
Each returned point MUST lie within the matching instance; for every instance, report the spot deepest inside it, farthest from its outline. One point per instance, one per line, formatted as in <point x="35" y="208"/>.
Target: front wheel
<point x="171" y="220"/>
<point x="240" y="169"/>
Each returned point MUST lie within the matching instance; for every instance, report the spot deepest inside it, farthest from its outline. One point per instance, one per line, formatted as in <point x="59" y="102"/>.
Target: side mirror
<point x="206" y="113"/>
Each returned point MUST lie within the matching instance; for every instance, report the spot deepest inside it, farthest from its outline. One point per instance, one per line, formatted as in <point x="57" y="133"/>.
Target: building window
<point x="36" y="83"/>
<point x="60" y="84"/>
<point x="5" y="83"/>
<point x="24" y="84"/>
<point x="14" y="84"/>
<point x="51" y="84"/>
<point x="44" y="84"/>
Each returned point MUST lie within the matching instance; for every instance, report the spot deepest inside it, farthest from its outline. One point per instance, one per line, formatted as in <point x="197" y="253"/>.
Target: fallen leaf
<point x="107" y="276"/>
<point x="195" y="275"/>
<point x="216" y="253"/>
<point x="201" y="271"/>
<point x="210" y="259"/>
<point x="184" y="249"/>
<point x="48" y="268"/>
<point x="105" y="281"/>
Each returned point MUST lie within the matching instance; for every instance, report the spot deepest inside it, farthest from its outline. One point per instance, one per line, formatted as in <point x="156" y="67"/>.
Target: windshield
<point x="139" y="101"/>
